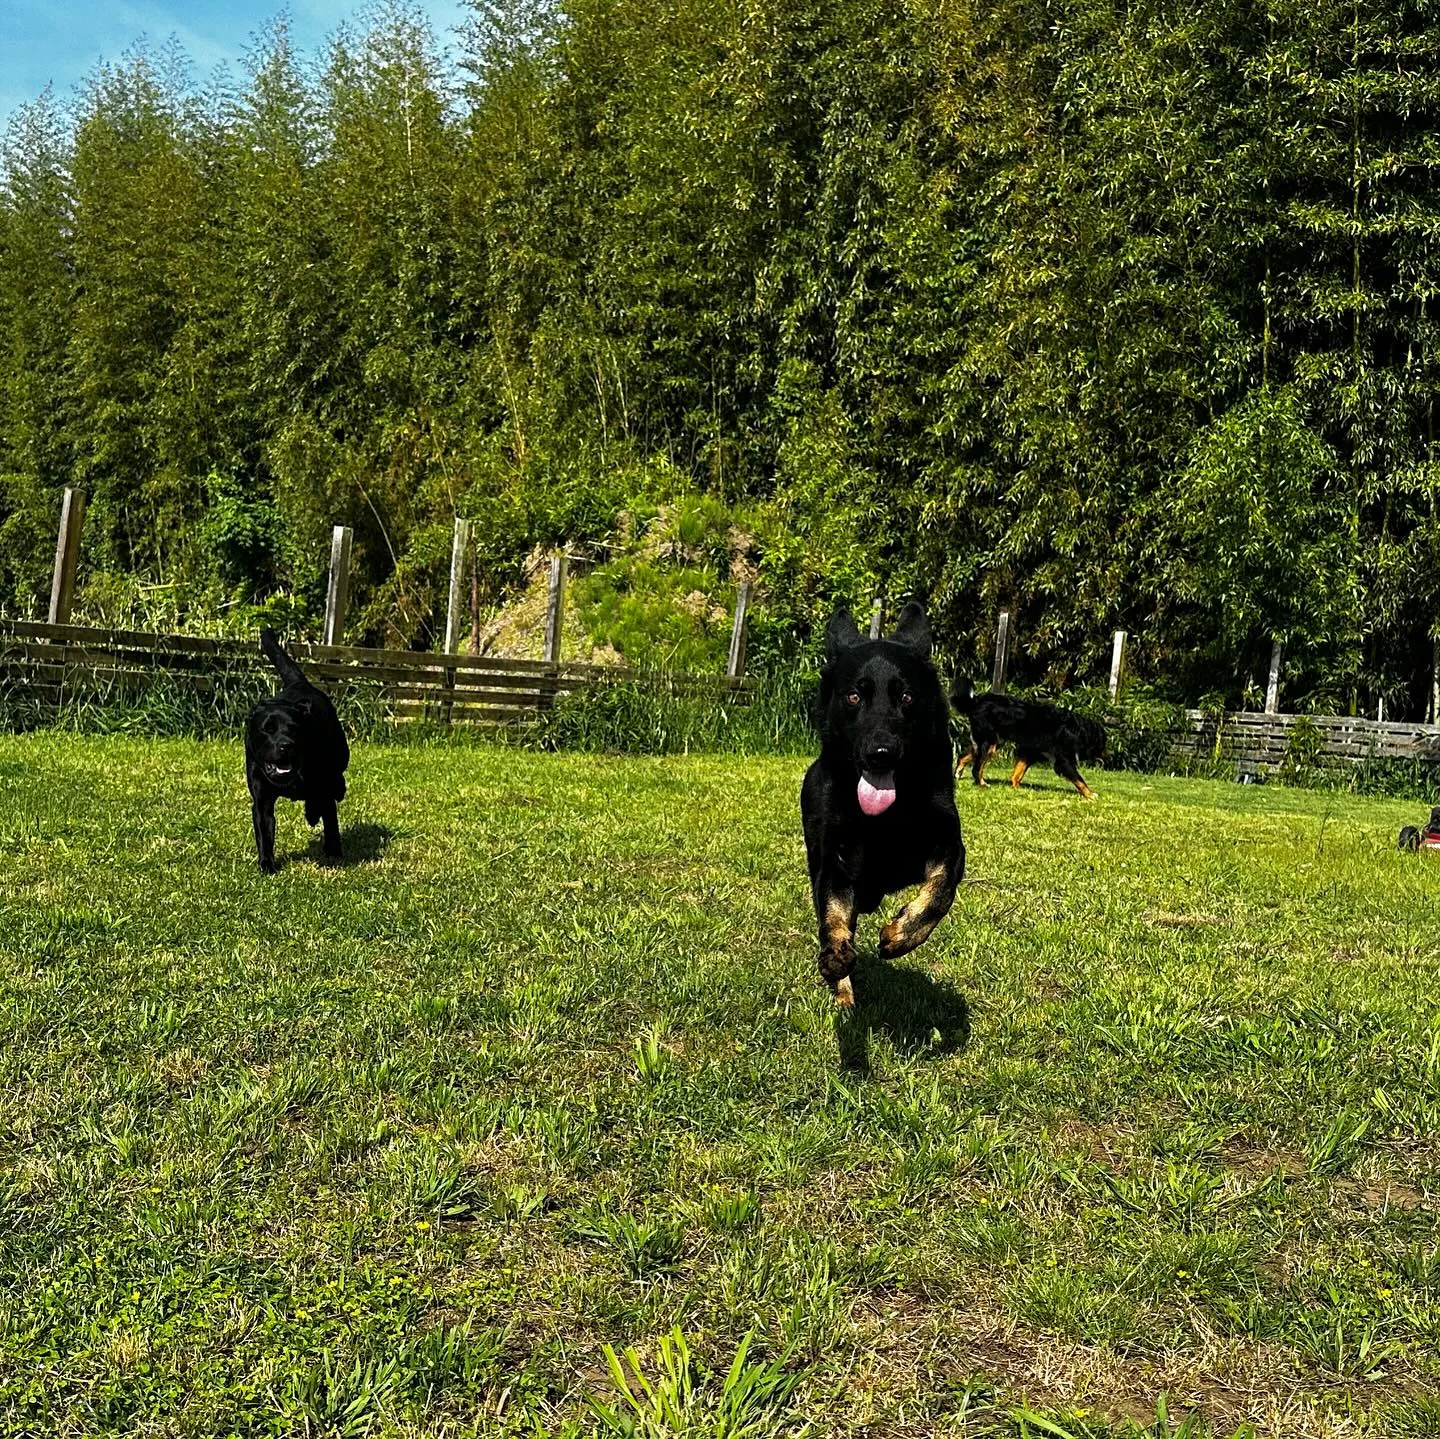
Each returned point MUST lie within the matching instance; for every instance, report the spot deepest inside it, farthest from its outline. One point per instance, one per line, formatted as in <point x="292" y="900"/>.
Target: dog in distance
<point x="295" y="749"/>
<point x="1038" y="732"/>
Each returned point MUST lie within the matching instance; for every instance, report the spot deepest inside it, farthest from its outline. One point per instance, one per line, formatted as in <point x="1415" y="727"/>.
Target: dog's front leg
<point x="262" y="813"/>
<point x="835" y="908"/>
<point x="916" y="922"/>
<point x="331" y="821"/>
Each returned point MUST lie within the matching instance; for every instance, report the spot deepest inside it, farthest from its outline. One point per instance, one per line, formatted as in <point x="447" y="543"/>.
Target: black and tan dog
<point x="878" y="806"/>
<point x="1038" y="731"/>
<point x="294" y="749"/>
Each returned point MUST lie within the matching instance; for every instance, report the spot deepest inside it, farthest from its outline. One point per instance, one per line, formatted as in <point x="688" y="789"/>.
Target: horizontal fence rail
<point x="1253" y="740"/>
<point x="50" y="664"/>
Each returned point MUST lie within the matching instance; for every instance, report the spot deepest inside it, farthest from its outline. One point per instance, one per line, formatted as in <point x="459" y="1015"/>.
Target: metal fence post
<point x="1117" y="658"/>
<point x="1002" y="652"/>
<point x="735" y="667"/>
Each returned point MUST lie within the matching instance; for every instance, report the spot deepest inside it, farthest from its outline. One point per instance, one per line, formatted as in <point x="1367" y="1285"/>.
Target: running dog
<point x="878" y="806"/>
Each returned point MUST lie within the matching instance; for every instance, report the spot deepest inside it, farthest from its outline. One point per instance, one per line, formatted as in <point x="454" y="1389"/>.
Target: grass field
<point x="1151" y="1127"/>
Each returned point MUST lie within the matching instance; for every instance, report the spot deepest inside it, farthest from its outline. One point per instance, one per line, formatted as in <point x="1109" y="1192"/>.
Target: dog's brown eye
<point x="907" y="698"/>
<point x="853" y="698"/>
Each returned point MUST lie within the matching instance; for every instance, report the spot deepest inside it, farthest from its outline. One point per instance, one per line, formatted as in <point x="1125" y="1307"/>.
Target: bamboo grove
<point x="1113" y="315"/>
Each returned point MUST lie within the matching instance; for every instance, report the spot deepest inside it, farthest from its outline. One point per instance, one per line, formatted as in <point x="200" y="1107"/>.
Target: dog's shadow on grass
<point x="920" y="1016"/>
<point x="359" y="844"/>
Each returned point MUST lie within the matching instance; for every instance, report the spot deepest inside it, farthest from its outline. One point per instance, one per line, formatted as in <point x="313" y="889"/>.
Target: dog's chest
<point x="880" y="861"/>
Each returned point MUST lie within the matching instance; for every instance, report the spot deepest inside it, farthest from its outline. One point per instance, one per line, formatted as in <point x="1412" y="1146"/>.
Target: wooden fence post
<point x="877" y="614"/>
<point x="67" y="553"/>
<point x="1272" y="690"/>
<point x="337" y="595"/>
<point x="475" y="606"/>
<point x="554" y="608"/>
<point x="736" y="664"/>
<point x="1117" y="658"/>
<point x="458" y="547"/>
<point x="1002" y="652"/>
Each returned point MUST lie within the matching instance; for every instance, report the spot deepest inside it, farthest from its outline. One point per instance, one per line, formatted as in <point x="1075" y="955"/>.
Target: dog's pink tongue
<point x="876" y="795"/>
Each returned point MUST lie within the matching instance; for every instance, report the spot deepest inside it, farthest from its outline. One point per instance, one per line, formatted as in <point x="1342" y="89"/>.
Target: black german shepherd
<point x="878" y="806"/>
<point x="1038" y="731"/>
<point x="294" y="749"/>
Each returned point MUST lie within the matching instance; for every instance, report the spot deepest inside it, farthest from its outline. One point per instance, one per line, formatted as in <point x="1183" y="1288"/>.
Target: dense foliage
<point x="1108" y="315"/>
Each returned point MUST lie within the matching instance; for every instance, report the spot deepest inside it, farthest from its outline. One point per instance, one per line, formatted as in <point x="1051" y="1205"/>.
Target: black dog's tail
<point x="290" y="672"/>
<point x="962" y="695"/>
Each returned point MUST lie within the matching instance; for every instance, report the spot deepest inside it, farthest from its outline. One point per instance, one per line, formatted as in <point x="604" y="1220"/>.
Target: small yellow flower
<point x="396" y="1279"/>
<point x="134" y="1296"/>
<point x="1384" y="1293"/>
<point x="1182" y="1273"/>
<point x="301" y="1314"/>
<point x="423" y="1224"/>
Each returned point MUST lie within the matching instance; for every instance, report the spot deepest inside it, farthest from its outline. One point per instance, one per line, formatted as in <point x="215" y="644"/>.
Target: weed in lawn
<point x="678" y="1401"/>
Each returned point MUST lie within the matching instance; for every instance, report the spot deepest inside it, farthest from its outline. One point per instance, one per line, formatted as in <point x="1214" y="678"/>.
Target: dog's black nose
<point x="881" y="759"/>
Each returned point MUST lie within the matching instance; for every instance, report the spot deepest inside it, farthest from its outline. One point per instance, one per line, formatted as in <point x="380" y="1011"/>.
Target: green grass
<point x="534" y="1118"/>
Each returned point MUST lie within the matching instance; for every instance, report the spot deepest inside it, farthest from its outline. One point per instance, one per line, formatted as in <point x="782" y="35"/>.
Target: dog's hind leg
<point x="1021" y="765"/>
<point x="1066" y="768"/>
<point x="835" y="908"/>
<point x="916" y="922"/>
<point x="262" y="814"/>
<point x="964" y="760"/>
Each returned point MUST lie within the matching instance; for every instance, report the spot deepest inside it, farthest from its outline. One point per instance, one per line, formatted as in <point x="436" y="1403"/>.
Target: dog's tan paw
<point x="845" y="993"/>
<point x="837" y="963"/>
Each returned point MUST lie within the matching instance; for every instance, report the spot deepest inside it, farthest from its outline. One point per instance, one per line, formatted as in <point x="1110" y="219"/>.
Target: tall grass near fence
<point x="643" y="715"/>
<point x="171" y="704"/>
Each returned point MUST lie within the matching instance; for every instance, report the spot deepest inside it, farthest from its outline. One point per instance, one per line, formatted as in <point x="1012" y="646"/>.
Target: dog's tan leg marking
<point x="839" y="918"/>
<point x="916" y="922"/>
<point x="1085" y="791"/>
<point x="963" y="761"/>
<point x="837" y="947"/>
<point x="1021" y="765"/>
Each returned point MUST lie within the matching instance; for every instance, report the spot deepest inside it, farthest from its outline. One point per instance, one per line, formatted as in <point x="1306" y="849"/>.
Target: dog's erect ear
<point x="913" y="631"/>
<point x="840" y="634"/>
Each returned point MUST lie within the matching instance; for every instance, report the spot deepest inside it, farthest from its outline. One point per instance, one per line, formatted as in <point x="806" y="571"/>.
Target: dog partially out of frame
<point x="878" y="806"/>
<point x="1038" y="732"/>
<point x="294" y="749"/>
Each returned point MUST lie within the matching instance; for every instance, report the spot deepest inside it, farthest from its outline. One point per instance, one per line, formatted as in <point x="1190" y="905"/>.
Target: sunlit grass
<point x="401" y="1146"/>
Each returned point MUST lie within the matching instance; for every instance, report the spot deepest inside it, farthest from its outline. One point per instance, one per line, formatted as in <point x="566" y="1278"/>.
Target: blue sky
<point x="58" y="42"/>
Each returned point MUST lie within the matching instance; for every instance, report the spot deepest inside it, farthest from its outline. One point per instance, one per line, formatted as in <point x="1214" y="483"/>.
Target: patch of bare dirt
<point x="1243" y="1156"/>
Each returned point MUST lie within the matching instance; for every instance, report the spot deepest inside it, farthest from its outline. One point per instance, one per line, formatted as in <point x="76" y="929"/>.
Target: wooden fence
<point x="1254" y="740"/>
<point x="48" y="664"/>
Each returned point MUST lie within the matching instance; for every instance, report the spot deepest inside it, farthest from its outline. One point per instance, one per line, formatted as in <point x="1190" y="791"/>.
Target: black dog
<point x="878" y="806"/>
<point x="1038" y="731"/>
<point x="294" y="749"/>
